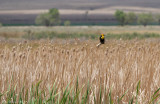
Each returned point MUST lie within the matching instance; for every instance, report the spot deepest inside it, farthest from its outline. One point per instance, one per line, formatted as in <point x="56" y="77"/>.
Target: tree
<point x="120" y="16"/>
<point x="158" y="18"/>
<point x="43" y="19"/>
<point x="145" y="18"/>
<point x="86" y="15"/>
<point x="67" y="23"/>
<point x="51" y="18"/>
<point x="1" y="24"/>
<point x="54" y="17"/>
<point x="130" y="18"/>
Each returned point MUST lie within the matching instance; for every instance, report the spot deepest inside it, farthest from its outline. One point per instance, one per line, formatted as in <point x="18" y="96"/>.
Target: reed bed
<point x="119" y="72"/>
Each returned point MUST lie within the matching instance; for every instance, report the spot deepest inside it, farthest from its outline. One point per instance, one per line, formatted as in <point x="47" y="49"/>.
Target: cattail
<point x="111" y="51"/>
<point x="5" y="58"/>
<point x="77" y="50"/>
<point x="36" y="53"/>
<point x="28" y="48"/>
<point x="74" y="50"/>
<point x="50" y="50"/>
<point x="52" y="46"/>
<point x="20" y="55"/>
<point x="23" y="56"/>
<point x="14" y="53"/>
<point x="44" y="55"/>
<point x="107" y="49"/>
<point x="82" y="49"/>
<point x="14" y="48"/>
<point x="62" y="51"/>
<point x="139" y="48"/>
<point x="106" y="53"/>
<point x="2" y="55"/>
<point x="25" y="41"/>
<point x="91" y="48"/>
<point x="55" y="48"/>
<point x="67" y="52"/>
<point x="20" y="44"/>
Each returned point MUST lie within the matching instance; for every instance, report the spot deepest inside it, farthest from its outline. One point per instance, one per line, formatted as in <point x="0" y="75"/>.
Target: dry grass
<point x="117" y="65"/>
<point x="82" y="29"/>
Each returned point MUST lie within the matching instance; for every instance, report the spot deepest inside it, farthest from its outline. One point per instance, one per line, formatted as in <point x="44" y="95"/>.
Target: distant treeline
<point x="141" y="18"/>
<point x="49" y="19"/>
<point x="53" y="18"/>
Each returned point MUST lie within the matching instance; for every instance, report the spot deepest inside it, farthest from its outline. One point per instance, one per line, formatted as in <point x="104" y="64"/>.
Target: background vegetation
<point x="145" y="19"/>
<point x="79" y="32"/>
<point x="51" y="18"/>
<point x="1" y="24"/>
<point x="67" y="23"/>
<point x="132" y="18"/>
<point x="124" y="36"/>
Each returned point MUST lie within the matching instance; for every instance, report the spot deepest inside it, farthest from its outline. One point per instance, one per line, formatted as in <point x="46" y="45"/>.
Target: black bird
<point x="102" y="40"/>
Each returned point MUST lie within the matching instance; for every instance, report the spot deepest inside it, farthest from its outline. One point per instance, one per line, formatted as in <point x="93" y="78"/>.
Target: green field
<point x="86" y="32"/>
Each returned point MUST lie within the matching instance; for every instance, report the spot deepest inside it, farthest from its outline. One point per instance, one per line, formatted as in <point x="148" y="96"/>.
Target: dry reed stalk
<point x="118" y="65"/>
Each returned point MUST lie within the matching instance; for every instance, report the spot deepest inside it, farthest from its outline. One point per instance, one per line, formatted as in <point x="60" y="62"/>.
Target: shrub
<point x="67" y="23"/>
<point x="51" y="18"/>
<point x="145" y="18"/>
<point x="130" y="18"/>
<point x="1" y="24"/>
<point x="125" y="18"/>
<point x="158" y="18"/>
<point x="120" y="16"/>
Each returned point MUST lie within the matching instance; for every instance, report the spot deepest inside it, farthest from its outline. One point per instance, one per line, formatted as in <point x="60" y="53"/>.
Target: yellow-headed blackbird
<point x="101" y="38"/>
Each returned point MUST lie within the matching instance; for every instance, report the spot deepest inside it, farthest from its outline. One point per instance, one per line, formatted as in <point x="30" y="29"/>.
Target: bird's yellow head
<point x="102" y="36"/>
